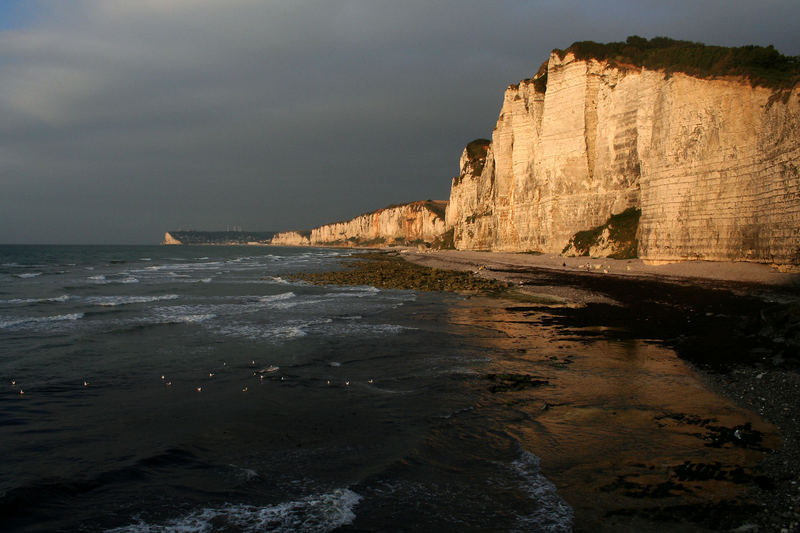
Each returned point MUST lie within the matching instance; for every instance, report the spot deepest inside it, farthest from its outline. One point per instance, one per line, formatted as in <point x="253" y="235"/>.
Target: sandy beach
<point x="499" y="264"/>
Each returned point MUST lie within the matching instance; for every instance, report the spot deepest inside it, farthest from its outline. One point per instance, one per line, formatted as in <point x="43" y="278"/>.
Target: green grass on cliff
<point x="622" y="229"/>
<point x="762" y="65"/>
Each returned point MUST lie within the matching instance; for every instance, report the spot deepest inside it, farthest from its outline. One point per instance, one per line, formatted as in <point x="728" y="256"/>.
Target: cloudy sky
<point x="120" y="119"/>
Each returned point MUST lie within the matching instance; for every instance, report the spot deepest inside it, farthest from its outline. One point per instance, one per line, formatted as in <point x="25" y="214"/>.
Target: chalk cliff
<point x="291" y="238"/>
<point x="413" y="223"/>
<point x="712" y="163"/>
<point x="169" y="239"/>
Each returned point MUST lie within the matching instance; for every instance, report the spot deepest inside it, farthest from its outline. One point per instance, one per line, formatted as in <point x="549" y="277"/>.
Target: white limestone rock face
<point x="470" y="211"/>
<point x="290" y="238"/>
<point x="712" y="164"/>
<point x="169" y="239"/>
<point x="416" y="222"/>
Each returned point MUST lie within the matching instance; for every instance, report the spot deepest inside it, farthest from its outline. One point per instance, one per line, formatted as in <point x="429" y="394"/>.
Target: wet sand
<point x="736" y="330"/>
<point x="659" y="398"/>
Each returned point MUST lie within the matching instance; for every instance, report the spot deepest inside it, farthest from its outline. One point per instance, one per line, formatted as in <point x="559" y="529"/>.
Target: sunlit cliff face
<point x="621" y="419"/>
<point x="689" y="152"/>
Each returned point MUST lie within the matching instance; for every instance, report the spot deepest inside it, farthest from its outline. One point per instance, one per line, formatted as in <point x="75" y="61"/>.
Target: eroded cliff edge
<point x="407" y="224"/>
<point x="711" y="163"/>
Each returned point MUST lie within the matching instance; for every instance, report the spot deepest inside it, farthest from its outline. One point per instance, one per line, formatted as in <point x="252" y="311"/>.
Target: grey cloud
<point x="123" y="119"/>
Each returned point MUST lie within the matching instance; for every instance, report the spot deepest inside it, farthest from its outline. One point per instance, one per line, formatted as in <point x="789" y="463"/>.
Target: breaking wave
<point x="316" y="513"/>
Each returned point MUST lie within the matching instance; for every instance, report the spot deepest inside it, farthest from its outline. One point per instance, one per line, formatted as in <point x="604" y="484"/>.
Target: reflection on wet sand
<point x="630" y="435"/>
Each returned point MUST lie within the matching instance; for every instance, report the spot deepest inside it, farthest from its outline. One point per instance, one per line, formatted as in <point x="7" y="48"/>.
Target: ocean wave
<point x="553" y="514"/>
<point x="187" y="319"/>
<point x="317" y="513"/>
<point x="262" y="332"/>
<point x="366" y="330"/>
<point x="56" y="299"/>
<point x="111" y="301"/>
<point x="276" y="297"/>
<point x="28" y="275"/>
<point x="103" y="280"/>
<point x="6" y="322"/>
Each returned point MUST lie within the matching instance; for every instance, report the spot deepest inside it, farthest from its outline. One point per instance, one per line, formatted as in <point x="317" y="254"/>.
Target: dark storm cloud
<point x="123" y="119"/>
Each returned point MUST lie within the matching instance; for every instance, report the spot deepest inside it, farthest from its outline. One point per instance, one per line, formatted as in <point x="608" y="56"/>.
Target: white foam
<point x="317" y="513"/>
<point x="99" y="277"/>
<point x="553" y="514"/>
<point x="353" y="328"/>
<point x="262" y="332"/>
<point x="57" y="299"/>
<point x="112" y="301"/>
<point x="276" y="297"/>
<point x="191" y="319"/>
<point x="12" y="322"/>
<point x="130" y="279"/>
<point x="28" y="275"/>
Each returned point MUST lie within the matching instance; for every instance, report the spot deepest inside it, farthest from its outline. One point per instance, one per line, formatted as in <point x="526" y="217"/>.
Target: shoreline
<point x="744" y="315"/>
<point x="736" y="326"/>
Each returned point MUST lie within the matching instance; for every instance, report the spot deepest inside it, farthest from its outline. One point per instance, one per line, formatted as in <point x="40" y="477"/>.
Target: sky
<point x="121" y="119"/>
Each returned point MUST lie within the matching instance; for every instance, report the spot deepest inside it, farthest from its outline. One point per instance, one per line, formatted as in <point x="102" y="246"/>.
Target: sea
<point x="154" y="389"/>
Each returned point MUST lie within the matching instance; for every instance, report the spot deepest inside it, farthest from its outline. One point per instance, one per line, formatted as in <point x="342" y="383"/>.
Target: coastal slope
<point x="711" y="162"/>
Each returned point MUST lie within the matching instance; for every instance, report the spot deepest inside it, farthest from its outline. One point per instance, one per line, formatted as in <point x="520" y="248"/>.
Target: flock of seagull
<point x="260" y="373"/>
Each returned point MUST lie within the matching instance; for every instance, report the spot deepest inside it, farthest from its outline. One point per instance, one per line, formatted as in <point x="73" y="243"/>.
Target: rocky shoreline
<point x="741" y="336"/>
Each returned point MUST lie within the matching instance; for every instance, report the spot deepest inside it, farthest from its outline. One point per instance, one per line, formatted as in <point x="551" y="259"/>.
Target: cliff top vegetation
<point x="762" y="65"/>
